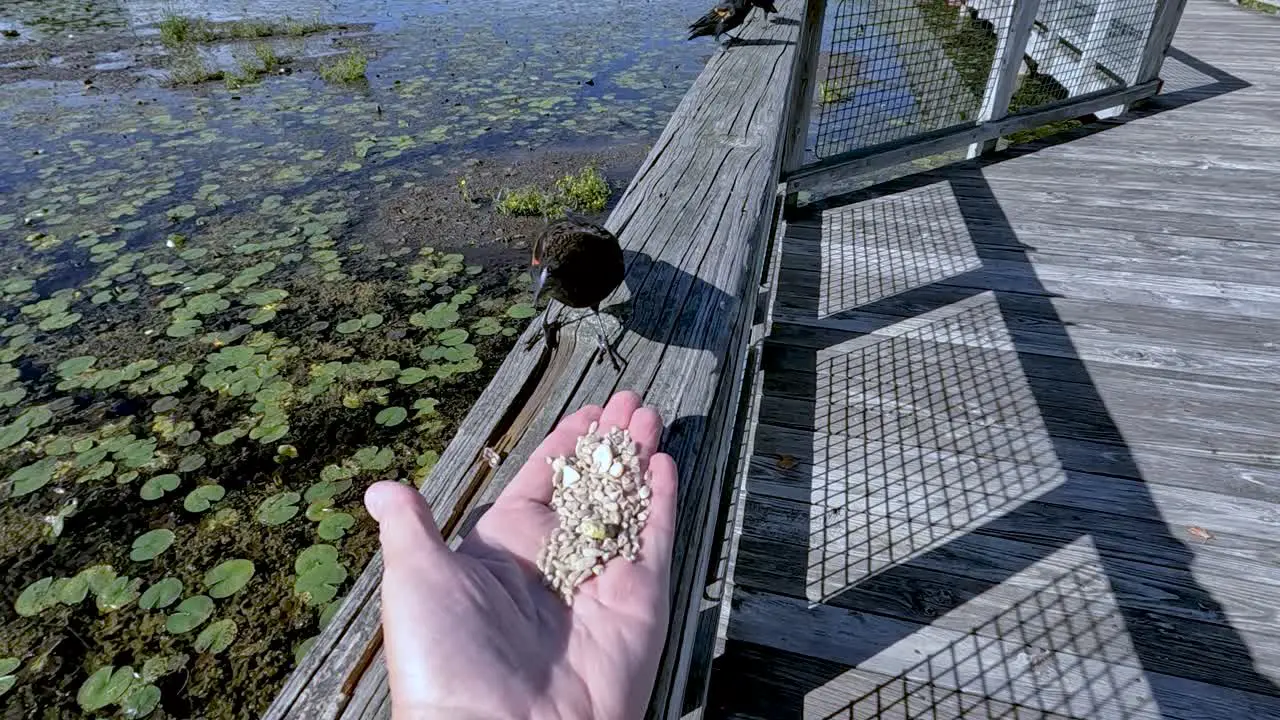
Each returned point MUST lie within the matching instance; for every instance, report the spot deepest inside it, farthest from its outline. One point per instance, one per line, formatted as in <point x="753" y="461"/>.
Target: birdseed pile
<point x="602" y="503"/>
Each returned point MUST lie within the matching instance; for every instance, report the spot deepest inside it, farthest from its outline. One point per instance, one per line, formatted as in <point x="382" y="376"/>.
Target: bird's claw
<point x="615" y="358"/>
<point x="548" y="333"/>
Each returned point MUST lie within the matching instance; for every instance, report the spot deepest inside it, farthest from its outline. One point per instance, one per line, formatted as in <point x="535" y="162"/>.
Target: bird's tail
<point x="704" y="26"/>
<point x="769" y="7"/>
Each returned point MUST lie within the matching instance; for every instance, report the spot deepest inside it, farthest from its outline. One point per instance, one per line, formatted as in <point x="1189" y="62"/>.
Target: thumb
<point x="406" y="529"/>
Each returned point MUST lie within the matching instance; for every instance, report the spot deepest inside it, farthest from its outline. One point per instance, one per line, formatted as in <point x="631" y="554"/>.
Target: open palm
<point x="474" y="633"/>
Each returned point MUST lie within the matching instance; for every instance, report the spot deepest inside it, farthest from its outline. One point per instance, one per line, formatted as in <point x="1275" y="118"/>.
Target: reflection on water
<point x="210" y="342"/>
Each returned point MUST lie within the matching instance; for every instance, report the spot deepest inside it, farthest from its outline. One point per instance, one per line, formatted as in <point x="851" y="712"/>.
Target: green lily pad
<point x="106" y="686"/>
<point x="371" y="320"/>
<point x="8" y="679"/>
<point x="350" y="326"/>
<point x="217" y="637"/>
<point x="28" y="479"/>
<point x="262" y="315"/>
<point x="412" y="376"/>
<point x="279" y="508"/>
<point x="149" y="545"/>
<point x="319" y="584"/>
<point x="460" y="353"/>
<point x="183" y="328"/>
<point x="335" y="525"/>
<point x="181" y="212"/>
<point x="190" y="614"/>
<point x="72" y="590"/>
<point x="208" y="303"/>
<point x="452" y="336"/>
<point x="319" y="509"/>
<point x="425" y="406"/>
<point x="59" y="321"/>
<point x="391" y="416"/>
<point x="202" y="497"/>
<point x="155" y="488"/>
<point x="36" y="598"/>
<point x="329" y="611"/>
<point x="226" y="579"/>
<point x="303" y="648"/>
<point x="373" y="458"/>
<point x="119" y="593"/>
<point x="439" y="317"/>
<point x="326" y="490"/>
<point x="188" y="463"/>
<point x="315" y="556"/>
<point x="76" y="365"/>
<point x="226" y="437"/>
<point x="160" y="665"/>
<point x="141" y="701"/>
<point x="162" y="594"/>
<point x="521" y="311"/>
<point x="98" y="577"/>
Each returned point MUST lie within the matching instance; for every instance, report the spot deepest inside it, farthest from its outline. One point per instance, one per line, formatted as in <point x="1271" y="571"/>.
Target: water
<point x="225" y="311"/>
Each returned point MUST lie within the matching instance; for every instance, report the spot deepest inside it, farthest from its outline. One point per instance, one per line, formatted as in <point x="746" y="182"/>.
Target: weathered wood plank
<point x="761" y="683"/>
<point x="708" y="182"/>
<point x="1002" y="669"/>
<point x="1063" y="600"/>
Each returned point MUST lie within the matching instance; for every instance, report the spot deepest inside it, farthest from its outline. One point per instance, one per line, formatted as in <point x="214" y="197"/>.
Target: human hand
<point x="474" y="633"/>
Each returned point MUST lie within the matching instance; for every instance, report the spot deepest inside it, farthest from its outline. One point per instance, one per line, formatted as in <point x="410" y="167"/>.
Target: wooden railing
<point x="696" y="225"/>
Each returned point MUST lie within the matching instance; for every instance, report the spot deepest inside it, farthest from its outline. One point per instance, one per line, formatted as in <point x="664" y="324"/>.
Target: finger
<point x="646" y="430"/>
<point x="533" y="481"/>
<point x="618" y="411"/>
<point x="658" y="534"/>
<point x="406" y="528"/>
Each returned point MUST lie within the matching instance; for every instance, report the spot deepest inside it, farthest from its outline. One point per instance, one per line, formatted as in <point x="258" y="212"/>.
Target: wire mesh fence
<point x="893" y="69"/>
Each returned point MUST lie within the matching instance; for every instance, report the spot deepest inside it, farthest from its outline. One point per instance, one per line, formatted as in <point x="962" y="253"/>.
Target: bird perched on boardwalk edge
<point x="579" y="264"/>
<point x="725" y="16"/>
<point x="728" y="15"/>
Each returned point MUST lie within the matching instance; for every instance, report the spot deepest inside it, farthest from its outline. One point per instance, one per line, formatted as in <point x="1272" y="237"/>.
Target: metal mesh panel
<point x="1082" y="46"/>
<point x="891" y="69"/>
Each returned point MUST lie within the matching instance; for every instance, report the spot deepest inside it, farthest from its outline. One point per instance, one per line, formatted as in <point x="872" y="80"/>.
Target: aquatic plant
<point x="106" y="686"/>
<point x="8" y="674"/>
<point x="217" y="637"/>
<point x="161" y="594"/>
<point x="318" y="574"/>
<point x="347" y="68"/>
<point x="585" y="191"/>
<point x="190" y="614"/>
<point x="228" y="578"/>
<point x="149" y="545"/>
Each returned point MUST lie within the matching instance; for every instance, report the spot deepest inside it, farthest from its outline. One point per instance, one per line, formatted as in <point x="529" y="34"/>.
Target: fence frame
<point x="1015" y="36"/>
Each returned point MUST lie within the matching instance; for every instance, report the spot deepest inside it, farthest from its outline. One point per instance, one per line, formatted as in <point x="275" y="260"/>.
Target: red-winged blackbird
<point x="578" y="263"/>
<point x="725" y="16"/>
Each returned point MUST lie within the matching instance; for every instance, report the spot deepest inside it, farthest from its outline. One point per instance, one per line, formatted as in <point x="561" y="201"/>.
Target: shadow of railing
<point x="954" y="525"/>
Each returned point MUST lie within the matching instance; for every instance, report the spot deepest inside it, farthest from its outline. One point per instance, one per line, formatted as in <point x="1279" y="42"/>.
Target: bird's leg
<point x="614" y="358"/>
<point x="548" y="333"/>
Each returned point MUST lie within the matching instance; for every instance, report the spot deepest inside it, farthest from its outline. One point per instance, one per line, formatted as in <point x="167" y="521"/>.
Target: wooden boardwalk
<point x="1017" y="451"/>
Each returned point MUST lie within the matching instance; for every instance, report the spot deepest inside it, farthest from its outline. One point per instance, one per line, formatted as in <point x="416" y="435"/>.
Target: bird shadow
<point x="784" y="21"/>
<point x="757" y="42"/>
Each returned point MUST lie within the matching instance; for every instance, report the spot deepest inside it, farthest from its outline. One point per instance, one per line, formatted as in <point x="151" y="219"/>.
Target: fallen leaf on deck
<point x="786" y="462"/>
<point x="1200" y="533"/>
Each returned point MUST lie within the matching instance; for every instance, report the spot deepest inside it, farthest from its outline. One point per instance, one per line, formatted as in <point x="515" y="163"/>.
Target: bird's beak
<point x="539" y="273"/>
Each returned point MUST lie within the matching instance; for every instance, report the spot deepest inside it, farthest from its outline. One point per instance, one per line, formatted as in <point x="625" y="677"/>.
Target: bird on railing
<point x="579" y="264"/>
<point x="725" y="16"/>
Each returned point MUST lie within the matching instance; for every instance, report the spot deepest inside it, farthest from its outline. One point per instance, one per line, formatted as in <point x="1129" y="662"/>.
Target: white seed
<point x="569" y="476"/>
<point x="615" y="471"/>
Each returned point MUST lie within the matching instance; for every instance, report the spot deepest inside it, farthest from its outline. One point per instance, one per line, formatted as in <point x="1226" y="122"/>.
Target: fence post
<point x="802" y="85"/>
<point x="1164" y="24"/>
<point x="1013" y="34"/>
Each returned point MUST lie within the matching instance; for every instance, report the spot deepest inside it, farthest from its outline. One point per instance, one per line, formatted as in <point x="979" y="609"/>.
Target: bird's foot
<point x="548" y="333"/>
<point x="615" y="359"/>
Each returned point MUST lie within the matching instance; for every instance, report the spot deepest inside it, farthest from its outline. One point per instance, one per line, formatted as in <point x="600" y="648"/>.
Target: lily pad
<point x="217" y="637"/>
<point x="391" y="416"/>
<point x="8" y="666"/>
<point x="98" y="577"/>
<point x="371" y="320"/>
<point x="373" y="458"/>
<point x="319" y="584"/>
<point x="229" y="577"/>
<point x="452" y="336"/>
<point x="72" y="590"/>
<point x="348" y="327"/>
<point x="412" y="376"/>
<point x="28" y="479"/>
<point x="155" y="488"/>
<point x="141" y="701"/>
<point x="149" y="545"/>
<point x="191" y="614"/>
<point x="183" y="328"/>
<point x="162" y="594"/>
<point x="439" y="317"/>
<point x="315" y="556"/>
<point x="335" y="525"/>
<point x="279" y="508"/>
<point x="59" y="321"/>
<point x="191" y="462"/>
<point x="326" y="490"/>
<point x="36" y="598"/>
<point x="119" y="593"/>
<point x="106" y="686"/>
<point x="201" y="498"/>
<point x="76" y="365"/>
<point x="521" y="311"/>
